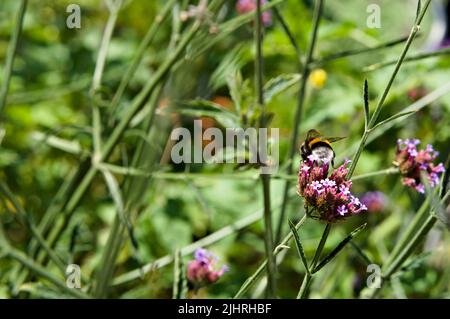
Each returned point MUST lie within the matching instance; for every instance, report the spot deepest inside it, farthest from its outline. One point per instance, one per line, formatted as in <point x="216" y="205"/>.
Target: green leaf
<point x="366" y="103"/>
<point x="338" y="248"/>
<point x="393" y="117"/>
<point x="300" y="250"/>
<point x="279" y="84"/>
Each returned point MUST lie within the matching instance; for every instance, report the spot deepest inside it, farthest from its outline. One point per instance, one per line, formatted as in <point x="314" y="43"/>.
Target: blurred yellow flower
<point x="318" y="78"/>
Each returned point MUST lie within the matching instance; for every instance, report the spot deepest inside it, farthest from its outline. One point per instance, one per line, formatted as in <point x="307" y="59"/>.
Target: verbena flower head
<point x="374" y="201"/>
<point x="203" y="269"/>
<point x="412" y="162"/>
<point x="246" y="6"/>
<point x="329" y="196"/>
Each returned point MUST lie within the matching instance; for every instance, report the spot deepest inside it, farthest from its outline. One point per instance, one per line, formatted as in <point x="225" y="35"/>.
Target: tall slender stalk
<point x="299" y="113"/>
<point x="12" y="47"/>
<point x="265" y="178"/>
<point x="25" y="220"/>
<point x="116" y="236"/>
<point x="98" y="74"/>
<point x="254" y="277"/>
<point x="288" y="33"/>
<point x="353" y="52"/>
<point x="412" y="58"/>
<point x="146" y="41"/>
<point x="304" y="288"/>
<point x="373" y="120"/>
<point x="88" y="169"/>
<point x="41" y="271"/>
<point x="421" y="225"/>
<point x="369" y="126"/>
<point x="117" y="133"/>
<point x="204" y="242"/>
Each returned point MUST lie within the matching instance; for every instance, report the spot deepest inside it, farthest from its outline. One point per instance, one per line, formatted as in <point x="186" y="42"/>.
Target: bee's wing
<point x="334" y="139"/>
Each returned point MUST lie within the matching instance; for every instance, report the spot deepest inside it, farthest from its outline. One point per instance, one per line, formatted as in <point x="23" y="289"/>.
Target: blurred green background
<point x="46" y="129"/>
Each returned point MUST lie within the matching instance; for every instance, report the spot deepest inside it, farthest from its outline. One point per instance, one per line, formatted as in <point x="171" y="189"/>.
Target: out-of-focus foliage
<point x="49" y="97"/>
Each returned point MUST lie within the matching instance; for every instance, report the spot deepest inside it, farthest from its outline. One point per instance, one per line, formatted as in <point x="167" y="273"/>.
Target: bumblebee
<point x="319" y="146"/>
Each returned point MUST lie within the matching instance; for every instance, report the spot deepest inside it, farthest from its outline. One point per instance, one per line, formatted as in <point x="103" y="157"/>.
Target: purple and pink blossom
<point x="203" y="269"/>
<point x="412" y="162"/>
<point x="328" y="196"/>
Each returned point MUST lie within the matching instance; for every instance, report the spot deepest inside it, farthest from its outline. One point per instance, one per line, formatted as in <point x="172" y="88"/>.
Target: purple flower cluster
<point x="374" y="201"/>
<point x="202" y="270"/>
<point x="412" y="162"/>
<point x="328" y="196"/>
<point x="246" y="6"/>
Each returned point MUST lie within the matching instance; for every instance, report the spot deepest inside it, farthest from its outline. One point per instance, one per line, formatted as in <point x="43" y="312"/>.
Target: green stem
<point x="146" y="41"/>
<point x="116" y="236"/>
<point x="410" y="246"/>
<point x="117" y="133"/>
<point x="25" y="220"/>
<point x="353" y="52"/>
<point x="86" y="172"/>
<point x="388" y="171"/>
<point x="299" y="113"/>
<point x="204" y="242"/>
<point x="412" y="228"/>
<point x="265" y="178"/>
<point x="416" y="57"/>
<point x="254" y="277"/>
<point x="104" y="45"/>
<point x="98" y="74"/>
<point x="303" y="292"/>
<point x="237" y="176"/>
<point x="12" y="47"/>
<point x="288" y="33"/>
<point x="385" y="93"/>
<point x="418" y="229"/>
<point x="41" y="271"/>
